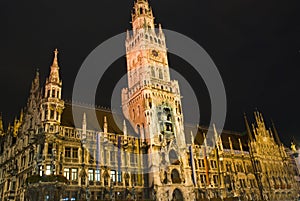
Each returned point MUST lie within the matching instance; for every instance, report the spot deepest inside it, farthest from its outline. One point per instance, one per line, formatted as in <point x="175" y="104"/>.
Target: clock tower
<point x="152" y="101"/>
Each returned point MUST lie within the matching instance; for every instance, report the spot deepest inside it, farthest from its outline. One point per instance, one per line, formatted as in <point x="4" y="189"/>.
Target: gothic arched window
<point x="160" y="74"/>
<point x="152" y="72"/>
<point x="175" y="176"/>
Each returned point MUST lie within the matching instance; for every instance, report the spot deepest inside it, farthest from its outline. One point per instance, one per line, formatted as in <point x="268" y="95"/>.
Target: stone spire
<point x="52" y="104"/>
<point x="84" y="126"/>
<point x="32" y="111"/>
<point x="1" y="124"/>
<point x="105" y="126"/>
<point x="54" y="73"/>
<point x="278" y="141"/>
<point x="192" y="138"/>
<point x="248" y="128"/>
<point x="124" y="128"/>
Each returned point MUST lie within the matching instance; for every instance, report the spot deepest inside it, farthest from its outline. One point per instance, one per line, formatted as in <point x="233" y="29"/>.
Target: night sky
<point x="255" y="45"/>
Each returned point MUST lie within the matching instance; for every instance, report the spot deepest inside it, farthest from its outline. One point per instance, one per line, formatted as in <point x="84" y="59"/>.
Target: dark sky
<point x="255" y="45"/>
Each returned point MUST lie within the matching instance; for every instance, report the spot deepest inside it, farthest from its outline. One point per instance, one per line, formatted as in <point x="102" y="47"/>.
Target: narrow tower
<point x="52" y="104"/>
<point x="152" y="102"/>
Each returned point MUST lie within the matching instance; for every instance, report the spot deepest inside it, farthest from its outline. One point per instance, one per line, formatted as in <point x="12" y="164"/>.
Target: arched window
<point x="152" y="72"/>
<point x="175" y="176"/>
<point x="173" y="157"/>
<point x="160" y="74"/>
<point x="177" y="195"/>
<point x="141" y="10"/>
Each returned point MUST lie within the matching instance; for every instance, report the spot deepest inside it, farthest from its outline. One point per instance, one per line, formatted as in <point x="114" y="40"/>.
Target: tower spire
<point x="54" y="73"/>
<point x="278" y="141"/>
<point x="55" y="60"/>
<point x="248" y="128"/>
<point x="51" y="116"/>
<point x="1" y="124"/>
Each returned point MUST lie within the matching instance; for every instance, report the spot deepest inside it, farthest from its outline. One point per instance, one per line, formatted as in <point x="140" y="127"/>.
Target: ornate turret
<point x="142" y="15"/>
<point x="52" y="104"/>
<point x="32" y="111"/>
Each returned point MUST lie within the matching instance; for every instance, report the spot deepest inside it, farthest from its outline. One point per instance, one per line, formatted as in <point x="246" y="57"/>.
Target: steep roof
<point x="115" y="125"/>
<point x="113" y="120"/>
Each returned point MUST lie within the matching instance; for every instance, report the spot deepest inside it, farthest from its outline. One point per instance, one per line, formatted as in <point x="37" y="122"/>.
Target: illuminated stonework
<point x="44" y="157"/>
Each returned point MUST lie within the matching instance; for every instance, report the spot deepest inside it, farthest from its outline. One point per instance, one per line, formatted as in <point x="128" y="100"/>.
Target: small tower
<point x="52" y="105"/>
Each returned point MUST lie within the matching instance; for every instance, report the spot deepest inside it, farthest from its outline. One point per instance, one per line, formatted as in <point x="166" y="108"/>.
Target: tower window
<point x="152" y="72"/>
<point x="51" y="114"/>
<point x="141" y="10"/>
<point x="160" y="74"/>
<point x="53" y="93"/>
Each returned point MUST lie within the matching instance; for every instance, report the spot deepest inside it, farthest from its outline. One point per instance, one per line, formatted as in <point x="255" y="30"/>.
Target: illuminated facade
<point x="43" y="156"/>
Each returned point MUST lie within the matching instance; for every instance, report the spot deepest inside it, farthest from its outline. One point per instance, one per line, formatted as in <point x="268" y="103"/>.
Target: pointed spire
<point x="55" y="60"/>
<point x="278" y="141"/>
<point x="54" y="73"/>
<point x="221" y="143"/>
<point x="230" y="143"/>
<point x="248" y="128"/>
<point x="105" y="125"/>
<point x="1" y="124"/>
<point x="84" y="123"/>
<point x="192" y="138"/>
<point x="21" y="116"/>
<point x="205" y="140"/>
<point x="124" y="129"/>
<point x="241" y="146"/>
<point x="36" y="82"/>
<point x="216" y="136"/>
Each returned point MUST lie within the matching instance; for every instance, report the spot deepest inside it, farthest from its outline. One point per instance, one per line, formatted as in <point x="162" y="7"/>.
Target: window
<point x="97" y="175"/>
<point x="75" y="153"/>
<point x="51" y="114"/>
<point x="53" y="93"/>
<point x="132" y="159"/>
<point x="203" y="179"/>
<point x="41" y="170"/>
<point x="112" y="157"/>
<point x="213" y="164"/>
<point x="160" y="74"/>
<point x="119" y="176"/>
<point x="113" y="175"/>
<point x="91" y="174"/>
<point x="67" y="173"/>
<point x="50" y="147"/>
<point x="48" y="169"/>
<point x="201" y="163"/>
<point x="152" y="72"/>
<point x="74" y="174"/>
<point x="68" y="152"/>
<point x="215" y="178"/>
<point x="175" y="176"/>
<point x="31" y="155"/>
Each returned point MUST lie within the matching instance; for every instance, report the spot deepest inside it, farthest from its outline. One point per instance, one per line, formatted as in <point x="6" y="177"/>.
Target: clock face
<point x="155" y="53"/>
